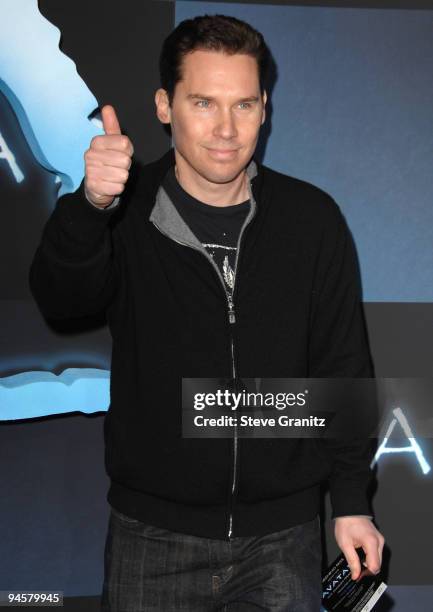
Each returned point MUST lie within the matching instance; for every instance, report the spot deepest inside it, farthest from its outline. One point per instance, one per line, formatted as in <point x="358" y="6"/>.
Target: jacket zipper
<point x="232" y="321"/>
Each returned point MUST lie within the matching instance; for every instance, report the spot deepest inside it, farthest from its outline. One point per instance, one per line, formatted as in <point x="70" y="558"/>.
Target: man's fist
<point x="107" y="161"/>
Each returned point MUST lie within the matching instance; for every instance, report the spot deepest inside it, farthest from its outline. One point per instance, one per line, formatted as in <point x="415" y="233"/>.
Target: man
<point x="212" y="265"/>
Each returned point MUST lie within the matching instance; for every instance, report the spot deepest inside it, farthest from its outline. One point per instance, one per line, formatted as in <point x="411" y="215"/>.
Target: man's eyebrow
<point x="199" y="96"/>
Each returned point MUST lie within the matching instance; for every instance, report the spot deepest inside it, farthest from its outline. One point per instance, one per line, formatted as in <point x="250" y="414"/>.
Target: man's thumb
<point x="109" y="120"/>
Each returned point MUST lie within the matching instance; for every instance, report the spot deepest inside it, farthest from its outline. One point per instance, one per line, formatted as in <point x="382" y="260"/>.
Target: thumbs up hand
<point x="107" y="161"/>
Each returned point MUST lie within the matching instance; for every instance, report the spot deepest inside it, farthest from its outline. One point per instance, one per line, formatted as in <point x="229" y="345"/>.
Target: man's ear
<point x="163" y="111"/>
<point x="265" y="97"/>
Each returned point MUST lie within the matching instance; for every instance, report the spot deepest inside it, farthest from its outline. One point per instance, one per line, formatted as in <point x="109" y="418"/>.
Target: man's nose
<point x="226" y="125"/>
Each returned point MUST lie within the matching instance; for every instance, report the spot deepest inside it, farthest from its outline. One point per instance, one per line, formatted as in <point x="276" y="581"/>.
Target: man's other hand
<point x="353" y="532"/>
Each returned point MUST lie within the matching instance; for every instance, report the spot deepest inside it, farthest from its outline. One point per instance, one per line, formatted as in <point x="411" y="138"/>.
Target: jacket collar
<point x="165" y="215"/>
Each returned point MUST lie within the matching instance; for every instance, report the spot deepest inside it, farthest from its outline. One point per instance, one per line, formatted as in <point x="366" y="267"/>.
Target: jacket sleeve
<point x="73" y="272"/>
<point x="338" y="348"/>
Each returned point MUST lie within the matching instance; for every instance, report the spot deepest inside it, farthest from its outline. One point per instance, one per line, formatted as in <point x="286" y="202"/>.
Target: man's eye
<point x="206" y="102"/>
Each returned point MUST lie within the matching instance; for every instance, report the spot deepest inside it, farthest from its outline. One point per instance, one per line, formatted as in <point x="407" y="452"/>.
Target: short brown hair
<point x="215" y="33"/>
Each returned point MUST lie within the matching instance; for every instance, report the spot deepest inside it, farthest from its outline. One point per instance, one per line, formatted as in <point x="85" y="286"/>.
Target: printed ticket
<point x="341" y="593"/>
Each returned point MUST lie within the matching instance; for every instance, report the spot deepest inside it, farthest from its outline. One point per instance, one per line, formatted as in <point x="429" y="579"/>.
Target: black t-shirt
<point x="217" y="227"/>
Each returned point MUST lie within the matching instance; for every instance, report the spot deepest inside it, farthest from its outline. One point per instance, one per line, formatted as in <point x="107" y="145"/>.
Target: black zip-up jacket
<point x="296" y="312"/>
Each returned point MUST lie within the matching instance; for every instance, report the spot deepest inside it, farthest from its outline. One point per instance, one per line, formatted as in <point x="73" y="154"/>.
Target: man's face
<point x="216" y="114"/>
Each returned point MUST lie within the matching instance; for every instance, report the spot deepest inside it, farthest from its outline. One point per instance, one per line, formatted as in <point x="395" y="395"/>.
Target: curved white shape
<point x="50" y="99"/>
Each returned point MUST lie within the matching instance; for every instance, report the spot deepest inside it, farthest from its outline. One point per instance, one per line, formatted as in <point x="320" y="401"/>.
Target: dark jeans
<point x="149" y="569"/>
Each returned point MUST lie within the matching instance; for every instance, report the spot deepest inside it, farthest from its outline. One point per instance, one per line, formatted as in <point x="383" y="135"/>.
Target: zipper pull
<point x="232" y="317"/>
